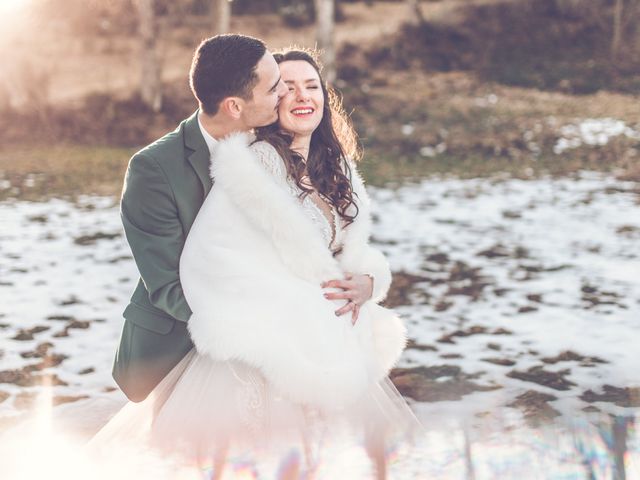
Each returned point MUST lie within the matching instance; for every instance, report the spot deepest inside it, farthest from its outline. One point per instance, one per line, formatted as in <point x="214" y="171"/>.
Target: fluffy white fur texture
<point x="251" y="271"/>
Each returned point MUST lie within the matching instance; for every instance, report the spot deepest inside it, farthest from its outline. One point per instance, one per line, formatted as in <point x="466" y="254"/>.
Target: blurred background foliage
<point x="469" y="87"/>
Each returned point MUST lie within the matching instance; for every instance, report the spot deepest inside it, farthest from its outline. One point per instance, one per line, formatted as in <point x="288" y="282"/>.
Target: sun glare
<point x="11" y="6"/>
<point x="15" y="20"/>
<point x="38" y="448"/>
<point x="12" y="11"/>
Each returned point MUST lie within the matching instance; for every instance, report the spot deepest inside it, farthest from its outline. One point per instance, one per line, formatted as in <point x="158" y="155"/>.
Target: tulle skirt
<point x="222" y="416"/>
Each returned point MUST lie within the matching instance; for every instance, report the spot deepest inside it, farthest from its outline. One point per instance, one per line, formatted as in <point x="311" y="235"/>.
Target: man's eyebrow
<point x="275" y="84"/>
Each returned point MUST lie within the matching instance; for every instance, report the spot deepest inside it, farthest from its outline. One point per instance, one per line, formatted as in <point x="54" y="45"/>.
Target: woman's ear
<point x="232" y="106"/>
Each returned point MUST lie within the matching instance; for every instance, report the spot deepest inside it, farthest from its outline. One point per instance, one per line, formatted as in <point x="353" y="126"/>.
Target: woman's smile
<point x="301" y="109"/>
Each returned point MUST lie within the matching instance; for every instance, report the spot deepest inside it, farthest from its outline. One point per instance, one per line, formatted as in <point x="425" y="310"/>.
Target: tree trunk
<point x="614" y="436"/>
<point x="415" y="12"/>
<point x="221" y="16"/>
<point x="470" y="470"/>
<point x="150" y="78"/>
<point x="619" y="432"/>
<point x="324" y="37"/>
<point x="617" y="29"/>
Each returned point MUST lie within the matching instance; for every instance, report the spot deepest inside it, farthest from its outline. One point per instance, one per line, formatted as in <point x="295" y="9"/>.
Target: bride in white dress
<point x="277" y="379"/>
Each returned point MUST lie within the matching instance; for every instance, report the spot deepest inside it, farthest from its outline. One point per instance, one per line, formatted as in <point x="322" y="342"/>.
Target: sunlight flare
<point x="13" y="6"/>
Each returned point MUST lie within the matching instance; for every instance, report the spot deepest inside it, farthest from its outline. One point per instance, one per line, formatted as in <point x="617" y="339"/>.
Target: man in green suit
<point x="238" y="87"/>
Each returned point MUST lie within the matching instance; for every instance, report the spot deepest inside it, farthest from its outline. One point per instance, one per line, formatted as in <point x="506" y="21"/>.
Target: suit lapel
<point x="199" y="158"/>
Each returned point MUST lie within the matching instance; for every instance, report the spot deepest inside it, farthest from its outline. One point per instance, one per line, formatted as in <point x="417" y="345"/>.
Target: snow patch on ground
<point x="592" y="131"/>
<point x="558" y="259"/>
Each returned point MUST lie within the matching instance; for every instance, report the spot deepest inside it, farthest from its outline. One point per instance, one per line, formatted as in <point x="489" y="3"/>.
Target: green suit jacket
<point x="165" y="186"/>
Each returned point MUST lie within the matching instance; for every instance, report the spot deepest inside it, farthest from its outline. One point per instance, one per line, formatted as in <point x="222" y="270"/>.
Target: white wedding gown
<point x="206" y="409"/>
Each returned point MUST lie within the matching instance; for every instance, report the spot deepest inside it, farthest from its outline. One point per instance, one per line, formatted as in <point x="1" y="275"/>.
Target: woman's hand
<point x="357" y="289"/>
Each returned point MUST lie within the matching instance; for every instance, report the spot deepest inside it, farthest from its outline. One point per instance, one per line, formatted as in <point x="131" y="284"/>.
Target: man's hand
<point x="357" y="289"/>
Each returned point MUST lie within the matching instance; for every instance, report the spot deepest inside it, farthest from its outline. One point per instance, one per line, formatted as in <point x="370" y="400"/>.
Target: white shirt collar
<point x="211" y="142"/>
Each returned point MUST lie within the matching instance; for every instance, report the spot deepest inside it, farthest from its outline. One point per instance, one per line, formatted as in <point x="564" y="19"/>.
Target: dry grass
<point x="482" y="139"/>
<point x="483" y="126"/>
<point x="34" y="172"/>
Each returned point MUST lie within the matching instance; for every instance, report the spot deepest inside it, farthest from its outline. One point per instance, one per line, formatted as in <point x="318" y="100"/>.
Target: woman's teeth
<point x="302" y="111"/>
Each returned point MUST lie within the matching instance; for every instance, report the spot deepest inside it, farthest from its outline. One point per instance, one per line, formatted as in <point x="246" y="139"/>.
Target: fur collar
<point x="267" y="317"/>
<point x="267" y="203"/>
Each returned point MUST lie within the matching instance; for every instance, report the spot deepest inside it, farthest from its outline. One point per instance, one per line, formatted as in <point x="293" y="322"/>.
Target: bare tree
<point x="614" y="434"/>
<point x="620" y="433"/>
<point x="325" y="11"/>
<point x="617" y="28"/>
<point x="468" y="457"/>
<point x="150" y="78"/>
<point x="415" y="12"/>
<point x="221" y="16"/>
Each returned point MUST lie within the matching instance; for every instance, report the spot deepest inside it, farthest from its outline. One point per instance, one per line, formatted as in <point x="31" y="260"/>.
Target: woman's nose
<point x="302" y="95"/>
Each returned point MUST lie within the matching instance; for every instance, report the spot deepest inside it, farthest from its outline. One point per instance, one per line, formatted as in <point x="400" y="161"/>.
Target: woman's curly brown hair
<point x="333" y="146"/>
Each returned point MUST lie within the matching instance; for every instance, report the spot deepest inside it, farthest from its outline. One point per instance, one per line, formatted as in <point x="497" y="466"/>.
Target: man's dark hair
<point x="225" y="66"/>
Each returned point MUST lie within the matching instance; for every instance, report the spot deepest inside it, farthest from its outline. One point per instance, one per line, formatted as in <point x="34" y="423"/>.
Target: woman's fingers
<point x="344" y="284"/>
<point x="354" y="314"/>
<point x="347" y="308"/>
<point x="346" y="294"/>
<point x="352" y="291"/>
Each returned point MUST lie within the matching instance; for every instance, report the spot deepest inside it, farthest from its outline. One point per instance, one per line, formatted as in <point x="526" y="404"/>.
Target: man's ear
<point x="232" y="106"/>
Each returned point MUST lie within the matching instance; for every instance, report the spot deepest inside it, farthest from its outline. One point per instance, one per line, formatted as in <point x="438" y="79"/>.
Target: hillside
<point x="416" y="115"/>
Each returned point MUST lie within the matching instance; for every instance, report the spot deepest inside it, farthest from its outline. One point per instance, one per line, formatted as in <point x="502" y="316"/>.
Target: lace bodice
<point x="325" y="217"/>
<point x="321" y="213"/>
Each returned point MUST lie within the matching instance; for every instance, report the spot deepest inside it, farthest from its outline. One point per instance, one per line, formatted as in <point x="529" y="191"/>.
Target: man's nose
<point x="283" y="89"/>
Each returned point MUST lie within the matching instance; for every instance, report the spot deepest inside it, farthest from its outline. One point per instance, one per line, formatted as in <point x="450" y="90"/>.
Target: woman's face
<point x="301" y="109"/>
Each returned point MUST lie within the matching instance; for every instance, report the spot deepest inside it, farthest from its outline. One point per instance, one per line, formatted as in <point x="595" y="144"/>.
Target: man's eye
<point x="291" y="89"/>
